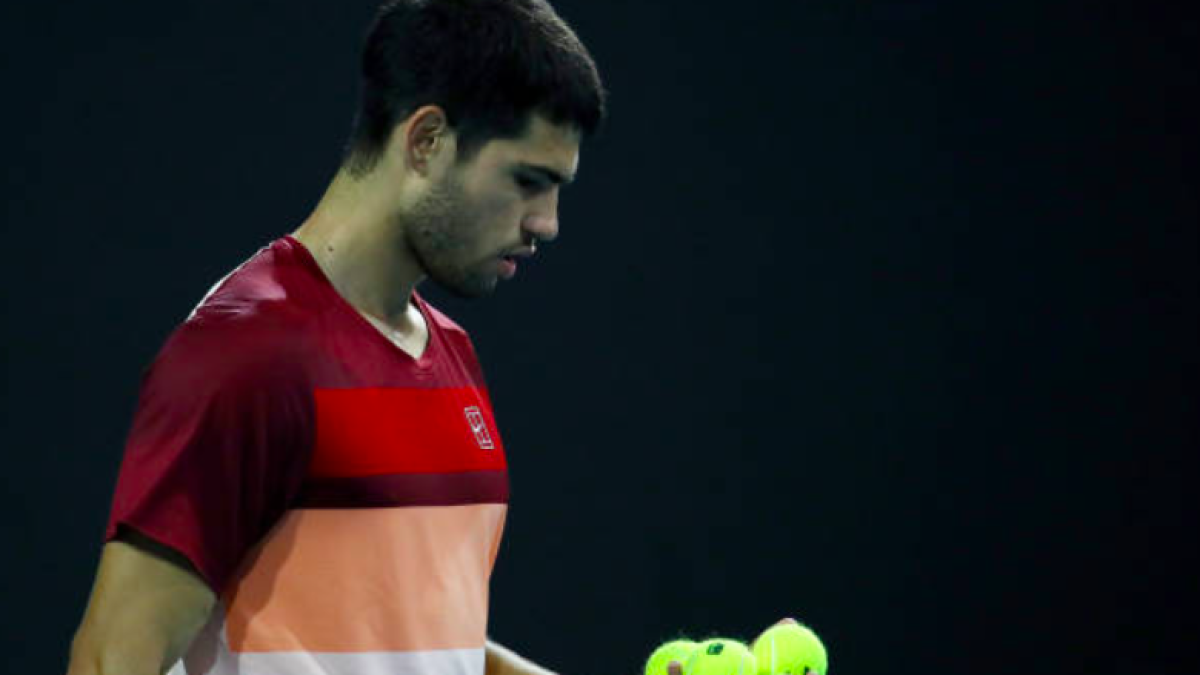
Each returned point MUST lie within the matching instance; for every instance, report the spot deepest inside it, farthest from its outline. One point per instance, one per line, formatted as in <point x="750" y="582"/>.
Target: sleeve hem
<point x="206" y="574"/>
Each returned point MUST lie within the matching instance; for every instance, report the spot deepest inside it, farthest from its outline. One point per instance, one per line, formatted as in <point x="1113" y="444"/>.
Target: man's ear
<point x="426" y="136"/>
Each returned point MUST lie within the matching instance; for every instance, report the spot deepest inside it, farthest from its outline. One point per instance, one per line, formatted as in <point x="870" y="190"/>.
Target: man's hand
<point x="786" y="619"/>
<point x="676" y="667"/>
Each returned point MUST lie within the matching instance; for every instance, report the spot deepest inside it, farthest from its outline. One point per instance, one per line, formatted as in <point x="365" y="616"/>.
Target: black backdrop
<point x="883" y="316"/>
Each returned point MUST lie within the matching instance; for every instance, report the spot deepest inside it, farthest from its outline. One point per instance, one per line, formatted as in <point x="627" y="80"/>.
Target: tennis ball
<point x="675" y="650"/>
<point x="720" y="656"/>
<point x="790" y="649"/>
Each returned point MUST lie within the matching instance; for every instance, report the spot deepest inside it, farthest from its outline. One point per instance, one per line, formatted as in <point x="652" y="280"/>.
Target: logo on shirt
<point x="479" y="427"/>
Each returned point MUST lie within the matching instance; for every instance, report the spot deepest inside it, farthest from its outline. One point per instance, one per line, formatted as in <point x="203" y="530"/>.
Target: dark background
<point x="879" y="315"/>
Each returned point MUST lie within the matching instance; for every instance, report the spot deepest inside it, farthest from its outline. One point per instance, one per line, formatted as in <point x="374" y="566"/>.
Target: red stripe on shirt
<point x="374" y="431"/>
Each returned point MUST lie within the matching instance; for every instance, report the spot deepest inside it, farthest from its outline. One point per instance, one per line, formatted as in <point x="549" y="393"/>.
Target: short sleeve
<point x="219" y="445"/>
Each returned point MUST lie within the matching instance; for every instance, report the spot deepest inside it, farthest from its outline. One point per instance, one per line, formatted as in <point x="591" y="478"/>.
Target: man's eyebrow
<point x="547" y="173"/>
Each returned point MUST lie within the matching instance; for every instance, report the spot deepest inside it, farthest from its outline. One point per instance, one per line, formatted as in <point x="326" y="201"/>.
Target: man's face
<point x="477" y="213"/>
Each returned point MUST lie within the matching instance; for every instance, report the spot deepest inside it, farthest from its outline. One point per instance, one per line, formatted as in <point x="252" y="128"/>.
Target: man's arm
<point x="503" y="661"/>
<point x="147" y="605"/>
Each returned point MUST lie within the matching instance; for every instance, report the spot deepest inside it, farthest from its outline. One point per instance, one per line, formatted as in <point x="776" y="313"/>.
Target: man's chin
<point x="467" y="289"/>
<point x="471" y="294"/>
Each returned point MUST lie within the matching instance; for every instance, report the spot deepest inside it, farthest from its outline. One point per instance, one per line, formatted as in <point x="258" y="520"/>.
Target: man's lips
<point x="508" y="267"/>
<point x="508" y="261"/>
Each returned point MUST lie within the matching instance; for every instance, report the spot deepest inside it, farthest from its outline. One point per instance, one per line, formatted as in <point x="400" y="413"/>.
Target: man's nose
<point x="543" y="222"/>
<point x="544" y="228"/>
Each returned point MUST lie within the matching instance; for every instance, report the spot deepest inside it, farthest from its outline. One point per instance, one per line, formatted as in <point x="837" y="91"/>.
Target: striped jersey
<point x="345" y="500"/>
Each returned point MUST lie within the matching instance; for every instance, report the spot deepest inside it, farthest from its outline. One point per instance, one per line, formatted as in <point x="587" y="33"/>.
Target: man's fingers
<point x="784" y="620"/>
<point x="674" y="668"/>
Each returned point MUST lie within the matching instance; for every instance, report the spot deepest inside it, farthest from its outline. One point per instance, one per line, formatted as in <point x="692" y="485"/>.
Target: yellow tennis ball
<point x="720" y="656"/>
<point x="675" y="650"/>
<point x="790" y="649"/>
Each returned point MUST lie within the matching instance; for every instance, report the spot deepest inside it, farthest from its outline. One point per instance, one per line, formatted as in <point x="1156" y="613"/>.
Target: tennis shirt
<point x="344" y="500"/>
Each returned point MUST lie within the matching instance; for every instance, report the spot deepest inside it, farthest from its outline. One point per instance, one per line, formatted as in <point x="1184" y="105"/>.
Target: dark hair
<point x="489" y="64"/>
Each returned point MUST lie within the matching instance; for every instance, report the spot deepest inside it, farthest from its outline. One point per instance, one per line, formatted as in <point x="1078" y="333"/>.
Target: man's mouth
<point x="508" y="266"/>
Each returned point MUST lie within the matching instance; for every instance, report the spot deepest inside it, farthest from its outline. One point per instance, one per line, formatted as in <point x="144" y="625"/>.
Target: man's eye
<point x="528" y="184"/>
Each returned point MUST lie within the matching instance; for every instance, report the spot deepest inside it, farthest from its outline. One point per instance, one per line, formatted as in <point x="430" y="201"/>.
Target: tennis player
<point x="314" y="482"/>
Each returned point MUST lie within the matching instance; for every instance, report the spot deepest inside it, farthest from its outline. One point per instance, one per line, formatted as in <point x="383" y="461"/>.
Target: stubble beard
<point x="439" y="238"/>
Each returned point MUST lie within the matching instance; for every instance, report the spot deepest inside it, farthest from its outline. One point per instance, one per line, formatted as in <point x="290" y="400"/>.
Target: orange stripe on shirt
<point x="356" y="580"/>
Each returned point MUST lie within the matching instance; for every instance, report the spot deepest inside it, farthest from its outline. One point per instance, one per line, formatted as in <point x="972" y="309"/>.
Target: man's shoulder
<point x="258" y="318"/>
<point x="269" y="287"/>
<point x="236" y="348"/>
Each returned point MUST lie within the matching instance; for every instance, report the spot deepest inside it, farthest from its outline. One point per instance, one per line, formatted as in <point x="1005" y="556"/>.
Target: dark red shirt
<point x="276" y="407"/>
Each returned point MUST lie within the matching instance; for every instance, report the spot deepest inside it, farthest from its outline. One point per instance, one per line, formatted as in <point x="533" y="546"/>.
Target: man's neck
<point x="349" y="236"/>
